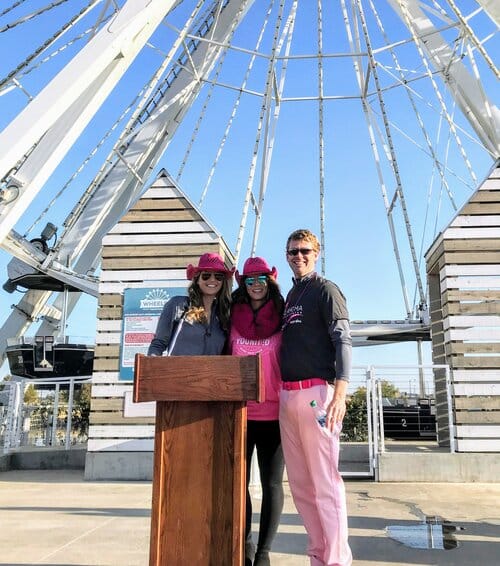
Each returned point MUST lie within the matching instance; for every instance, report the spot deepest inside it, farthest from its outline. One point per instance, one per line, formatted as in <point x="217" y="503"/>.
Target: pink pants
<point x="311" y="457"/>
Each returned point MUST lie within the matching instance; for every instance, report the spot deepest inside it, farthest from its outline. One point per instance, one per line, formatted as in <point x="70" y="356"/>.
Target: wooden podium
<point x="199" y="470"/>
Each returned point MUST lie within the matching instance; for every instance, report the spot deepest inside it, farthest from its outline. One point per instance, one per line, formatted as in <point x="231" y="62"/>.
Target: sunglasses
<point x="295" y="251"/>
<point x="262" y="279"/>
<point x="207" y="276"/>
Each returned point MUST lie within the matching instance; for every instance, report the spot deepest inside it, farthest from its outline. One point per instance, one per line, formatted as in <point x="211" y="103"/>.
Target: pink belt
<point x="303" y="384"/>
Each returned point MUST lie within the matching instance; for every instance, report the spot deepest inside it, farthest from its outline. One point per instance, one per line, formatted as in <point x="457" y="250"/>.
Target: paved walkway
<point x="57" y="518"/>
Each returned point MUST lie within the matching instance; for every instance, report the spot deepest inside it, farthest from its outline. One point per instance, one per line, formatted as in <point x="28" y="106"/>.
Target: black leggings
<point x="265" y="437"/>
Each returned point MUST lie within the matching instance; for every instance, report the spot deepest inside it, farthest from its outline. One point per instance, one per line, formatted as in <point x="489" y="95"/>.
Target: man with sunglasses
<point x="315" y="366"/>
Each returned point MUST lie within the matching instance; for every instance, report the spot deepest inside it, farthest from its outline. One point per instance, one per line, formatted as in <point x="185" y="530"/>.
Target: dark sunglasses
<point x="262" y="279"/>
<point x="207" y="276"/>
<point x="295" y="251"/>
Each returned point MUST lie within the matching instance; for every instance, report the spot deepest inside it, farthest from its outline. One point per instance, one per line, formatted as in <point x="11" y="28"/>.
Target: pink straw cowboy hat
<point x="209" y="262"/>
<point x="256" y="266"/>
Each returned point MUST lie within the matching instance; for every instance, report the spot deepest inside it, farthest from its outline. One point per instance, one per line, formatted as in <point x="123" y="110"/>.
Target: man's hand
<point x="336" y="409"/>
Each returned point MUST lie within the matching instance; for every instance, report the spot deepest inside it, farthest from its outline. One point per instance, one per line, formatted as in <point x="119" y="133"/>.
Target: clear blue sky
<point x="358" y="248"/>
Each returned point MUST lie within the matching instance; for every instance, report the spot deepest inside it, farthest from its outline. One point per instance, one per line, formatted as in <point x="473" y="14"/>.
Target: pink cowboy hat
<point x="256" y="266"/>
<point x="208" y="262"/>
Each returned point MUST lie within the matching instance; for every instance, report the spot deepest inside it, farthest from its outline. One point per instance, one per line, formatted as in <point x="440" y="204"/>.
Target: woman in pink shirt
<point x="256" y="328"/>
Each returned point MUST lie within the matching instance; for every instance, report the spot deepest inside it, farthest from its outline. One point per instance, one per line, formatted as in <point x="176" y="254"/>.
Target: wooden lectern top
<point x="198" y="378"/>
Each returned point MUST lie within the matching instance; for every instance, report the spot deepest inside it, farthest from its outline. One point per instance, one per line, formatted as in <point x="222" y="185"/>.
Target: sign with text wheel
<point x="141" y="310"/>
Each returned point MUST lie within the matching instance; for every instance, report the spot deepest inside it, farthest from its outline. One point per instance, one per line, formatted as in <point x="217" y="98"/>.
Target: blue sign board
<point x="141" y="311"/>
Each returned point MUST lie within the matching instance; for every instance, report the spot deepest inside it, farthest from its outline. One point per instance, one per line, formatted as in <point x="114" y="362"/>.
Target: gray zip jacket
<point x="194" y="339"/>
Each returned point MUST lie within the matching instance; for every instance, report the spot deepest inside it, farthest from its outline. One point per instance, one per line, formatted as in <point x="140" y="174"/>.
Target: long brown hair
<point x="196" y="310"/>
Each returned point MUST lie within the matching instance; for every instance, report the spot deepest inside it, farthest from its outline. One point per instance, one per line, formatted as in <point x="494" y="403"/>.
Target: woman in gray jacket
<point x="197" y="325"/>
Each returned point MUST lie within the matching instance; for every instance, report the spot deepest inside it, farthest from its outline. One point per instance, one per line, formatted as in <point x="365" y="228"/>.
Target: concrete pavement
<point x="57" y="518"/>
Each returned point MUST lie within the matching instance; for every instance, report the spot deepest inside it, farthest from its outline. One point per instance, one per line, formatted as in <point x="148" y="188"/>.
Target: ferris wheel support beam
<point x="120" y="184"/>
<point x="492" y="8"/>
<point x="35" y="142"/>
<point x="482" y="114"/>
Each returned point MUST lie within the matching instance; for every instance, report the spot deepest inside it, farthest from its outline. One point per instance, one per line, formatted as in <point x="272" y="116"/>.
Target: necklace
<point x="292" y="311"/>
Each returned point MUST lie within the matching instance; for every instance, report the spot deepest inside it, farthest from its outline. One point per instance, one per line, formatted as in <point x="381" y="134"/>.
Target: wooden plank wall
<point x="463" y="267"/>
<point x="150" y="246"/>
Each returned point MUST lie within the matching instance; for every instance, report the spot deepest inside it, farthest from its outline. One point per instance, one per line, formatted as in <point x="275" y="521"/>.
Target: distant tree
<point x="355" y="425"/>
<point x="81" y="409"/>
<point x="389" y="390"/>
<point x="31" y="395"/>
<point x="6" y="378"/>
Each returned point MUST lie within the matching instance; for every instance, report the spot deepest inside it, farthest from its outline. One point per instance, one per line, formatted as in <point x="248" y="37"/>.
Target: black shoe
<point x="262" y="558"/>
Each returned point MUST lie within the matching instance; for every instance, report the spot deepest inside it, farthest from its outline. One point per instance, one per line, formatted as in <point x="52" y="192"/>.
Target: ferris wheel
<point x="371" y="121"/>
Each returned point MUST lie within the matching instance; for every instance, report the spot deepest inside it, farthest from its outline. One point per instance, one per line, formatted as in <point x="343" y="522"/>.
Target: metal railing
<point x="391" y="407"/>
<point x="414" y="404"/>
<point x="51" y="414"/>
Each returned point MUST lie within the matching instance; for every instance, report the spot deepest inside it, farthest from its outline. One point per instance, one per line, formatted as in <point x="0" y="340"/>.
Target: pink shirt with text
<point x="269" y="349"/>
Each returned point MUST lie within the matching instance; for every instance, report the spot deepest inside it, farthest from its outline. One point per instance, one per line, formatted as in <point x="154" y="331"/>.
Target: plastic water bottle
<point x="319" y="413"/>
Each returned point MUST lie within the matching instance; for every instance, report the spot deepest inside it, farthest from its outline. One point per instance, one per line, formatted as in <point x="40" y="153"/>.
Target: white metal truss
<point x="467" y="91"/>
<point x="120" y="184"/>
<point x="36" y="141"/>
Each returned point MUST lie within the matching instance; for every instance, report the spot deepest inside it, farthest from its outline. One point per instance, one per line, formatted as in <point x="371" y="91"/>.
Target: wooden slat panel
<point x="480" y="431"/>
<point x="487" y="307"/>
<point x="178" y="250"/>
<point x="460" y="361"/>
<point x="468" y="321"/>
<point x="106" y="300"/>
<point x="103" y="404"/>
<point x="142" y="275"/>
<point x="470" y="256"/>
<point x="476" y="221"/>
<point x="478" y="445"/>
<point x="470" y="283"/>
<point x="107" y="351"/>
<point x="486" y="334"/>
<point x="158" y="239"/>
<point x="470" y="295"/>
<point x="492" y="183"/>
<point x="124" y="431"/>
<point x="158" y="204"/>
<point x="107" y="337"/>
<point x="106" y="364"/>
<point x="485" y="196"/>
<point x="472" y="348"/>
<point x="483" y="389"/>
<point x="164" y="192"/>
<point x="478" y="208"/>
<point x="139" y="262"/>
<point x="177" y="228"/>
<point x="489" y="375"/>
<point x="477" y="403"/>
<point x="109" y="313"/>
<point x="120" y="287"/>
<point x="467" y="270"/>
<point x="161" y="215"/>
<point x="109" y="325"/>
<point x="118" y="419"/>
<point x="106" y="377"/>
<point x="461" y="233"/>
<point x="433" y="255"/>
<point x="450" y="246"/>
<point x="150" y="259"/>
<point x="112" y="445"/>
<point x="110" y="390"/>
<point x="475" y="417"/>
